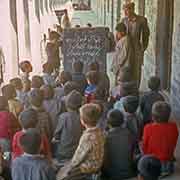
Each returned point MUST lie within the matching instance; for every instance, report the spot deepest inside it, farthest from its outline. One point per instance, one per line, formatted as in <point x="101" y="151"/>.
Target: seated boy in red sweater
<point x="28" y="119"/>
<point x="160" y="137"/>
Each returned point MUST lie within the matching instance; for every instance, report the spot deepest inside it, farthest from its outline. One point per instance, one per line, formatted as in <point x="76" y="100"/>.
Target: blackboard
<point x="86" y="45"/>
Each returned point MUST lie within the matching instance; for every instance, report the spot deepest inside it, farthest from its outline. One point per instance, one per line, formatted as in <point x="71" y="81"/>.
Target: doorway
<point x="164" y="42"/>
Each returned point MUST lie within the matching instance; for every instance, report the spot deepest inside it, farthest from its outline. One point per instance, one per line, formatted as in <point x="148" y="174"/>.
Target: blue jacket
<point x="29" y="167"/>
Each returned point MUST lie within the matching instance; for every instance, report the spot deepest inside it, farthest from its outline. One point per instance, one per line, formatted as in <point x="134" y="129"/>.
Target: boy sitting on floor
<point x="89" y="155"/>
<point x="160" y="137"/>
<point x="31" y="165"/>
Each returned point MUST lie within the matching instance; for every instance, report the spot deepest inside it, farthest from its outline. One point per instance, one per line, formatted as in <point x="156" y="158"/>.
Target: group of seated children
<point x="71" y="126"/>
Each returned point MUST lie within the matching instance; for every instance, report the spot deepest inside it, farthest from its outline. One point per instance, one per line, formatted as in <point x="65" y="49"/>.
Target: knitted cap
<point x="73" y="100"/>
<point x="131" y="103"/>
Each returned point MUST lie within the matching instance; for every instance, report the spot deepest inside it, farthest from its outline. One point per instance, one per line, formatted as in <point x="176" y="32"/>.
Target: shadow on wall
<point x="37" y="9"/>
<point x="27" y="30"/>
<point x="46" y="5"/>
<point x="13" y="14"/>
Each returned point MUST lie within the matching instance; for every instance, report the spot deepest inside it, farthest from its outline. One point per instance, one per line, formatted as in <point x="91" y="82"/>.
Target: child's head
<point x="37" y="82"/>
<point x="69" y="87"/>
<point x="28" y="119"/>
<point x="48" y="92"/>
<point x="93" y="66"/>
<point x="77" y="66"/>
<point x="8" y="91"/>
<point x="115" y="118"/>
<point x="26" y="85"/>
<point x="17" y="83"/>
<point x="64" y="77"/>
<point x="100" y="104"/>
<point x="92" y="77"/>
<point x="47" y="68"/>
<point x="3" y="103"/>
<point x="30" y="141"/>
<point x="25" y="66"/>
<point x="131" y="104"/>
<point x="154" y="83"/>
<point x="161" y="112"/>
<point x="73" y="100"/>
<point x="149" y="168"/>
<point x="36" y="97"/>
<point x="100" y="94"/>
<point x="89" y="115"/>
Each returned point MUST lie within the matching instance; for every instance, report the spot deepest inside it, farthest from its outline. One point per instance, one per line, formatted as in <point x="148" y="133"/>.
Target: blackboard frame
<point x="85" y="44"/>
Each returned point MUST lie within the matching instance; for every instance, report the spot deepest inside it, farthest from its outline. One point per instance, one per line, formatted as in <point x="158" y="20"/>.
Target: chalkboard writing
<point x="86" y="45"/>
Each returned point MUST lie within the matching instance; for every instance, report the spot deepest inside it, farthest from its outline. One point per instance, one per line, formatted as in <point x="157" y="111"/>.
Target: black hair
<point x="89" y="25"/>
<point x="30" y="141"/>
<point x="36" y="97"/>
<point x="115" y="118"/>
<point x="78" y="66"/>
<point x="131" y="104"/>
<point x="69" y="87"/>
<point x="48" y="91"/>
<point x="65" y="76"/>
<point x="28" y="118"/>
<point x="37" y="82"/>
<point x="161" y="111"/>
<point x="154" y="83"/>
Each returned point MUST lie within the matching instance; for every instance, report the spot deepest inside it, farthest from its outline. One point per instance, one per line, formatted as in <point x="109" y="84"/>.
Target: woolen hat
<point x="149" y="167"/>
<point x="73" y="100"/>
<point x="131" y="103"/>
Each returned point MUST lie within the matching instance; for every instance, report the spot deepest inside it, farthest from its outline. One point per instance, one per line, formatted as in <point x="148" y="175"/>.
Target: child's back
<point x="118" y="161"/>
<point x="5" y="124"/>
<point x="33" y="168"/>
<point x="160" y="140"/>
<point x="53" y="107"/>
<point x="78" y="76"/>
<point x="80" y="79"/>
<point x="51" y="104"/>
<point x="31" y="165"/>
<point x="149" y="98"/>
<point x="90" y="152"/>
<point x="44" y="121"/>
<point x="147" y="101"/>
<point x="68" y="132"/>
<point x="28" y="119"/>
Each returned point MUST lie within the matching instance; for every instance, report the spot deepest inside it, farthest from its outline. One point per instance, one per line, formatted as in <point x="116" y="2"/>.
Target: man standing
<point x="138" y="30"/>
<point x="123" y="56"/>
